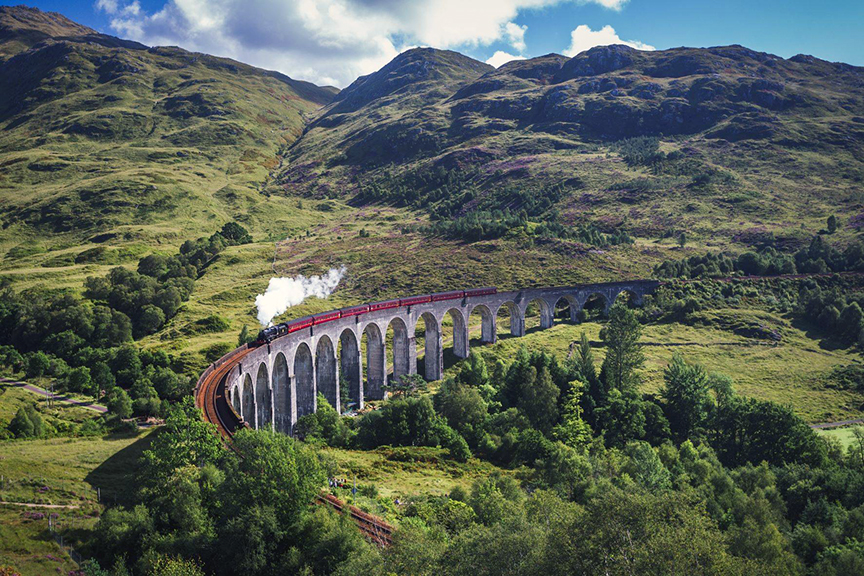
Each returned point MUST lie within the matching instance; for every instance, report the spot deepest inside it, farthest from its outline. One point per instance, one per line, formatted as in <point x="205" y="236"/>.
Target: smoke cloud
<point x="283" y="293"/>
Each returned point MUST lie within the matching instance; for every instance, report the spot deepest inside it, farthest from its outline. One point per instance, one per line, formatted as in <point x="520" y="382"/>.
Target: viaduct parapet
<point x="275" y="384"/>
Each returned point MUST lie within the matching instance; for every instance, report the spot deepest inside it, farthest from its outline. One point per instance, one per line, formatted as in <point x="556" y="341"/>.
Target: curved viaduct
<point x="274" y="384"/>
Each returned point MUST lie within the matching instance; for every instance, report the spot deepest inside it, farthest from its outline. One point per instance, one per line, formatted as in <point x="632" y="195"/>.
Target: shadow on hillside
<point x="115" y="477"/>
<point x="817" y="334"/>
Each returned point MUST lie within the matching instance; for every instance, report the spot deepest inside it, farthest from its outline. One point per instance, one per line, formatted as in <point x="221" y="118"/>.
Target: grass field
<point x="13" y="397"/>
<point x="60" y="471"/>
<point x="401" y="472"/>
<point x="844" y="435"/>
<point x="792" y="371"/>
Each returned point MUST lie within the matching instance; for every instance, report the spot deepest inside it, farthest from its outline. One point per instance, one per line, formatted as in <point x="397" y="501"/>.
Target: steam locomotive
<point x="272" y="332"/>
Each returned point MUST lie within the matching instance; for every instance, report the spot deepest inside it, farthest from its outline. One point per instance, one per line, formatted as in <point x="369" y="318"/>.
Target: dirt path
<point x="825" y="425"/>
<point x="57" y="397"/>
<point x="29" y="505"/>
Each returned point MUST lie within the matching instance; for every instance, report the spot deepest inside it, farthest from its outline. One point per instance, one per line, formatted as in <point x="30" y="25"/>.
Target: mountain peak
<point x="424" y="74"/>
<point x="22" y="27"/>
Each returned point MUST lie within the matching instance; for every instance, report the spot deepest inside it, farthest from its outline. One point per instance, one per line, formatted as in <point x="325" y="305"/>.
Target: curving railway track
<point x="210" y="397"/>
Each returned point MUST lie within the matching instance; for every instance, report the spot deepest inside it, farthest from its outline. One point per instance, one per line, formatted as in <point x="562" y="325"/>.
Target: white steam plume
<point x="283" y="293"/>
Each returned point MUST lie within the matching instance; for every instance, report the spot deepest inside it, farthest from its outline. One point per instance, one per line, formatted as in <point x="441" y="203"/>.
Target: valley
<point x="148" y="195"/>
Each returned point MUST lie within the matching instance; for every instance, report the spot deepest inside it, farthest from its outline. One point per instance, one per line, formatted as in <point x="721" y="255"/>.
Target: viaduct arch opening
<point x="350" y="371"/>
<point x="281" y="395"/>
<point x="262" y="398"/>
<point x="248" y="401"/>
<point x="429" y="331"/>
<point x="481" y="323"/>
<point x="326" y="371"/>
<point x="376" y="362"/>
<point x="401" y="352"/>
<point x="304" y="376"/>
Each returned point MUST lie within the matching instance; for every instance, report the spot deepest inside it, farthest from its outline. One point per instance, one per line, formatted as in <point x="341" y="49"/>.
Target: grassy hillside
<point x="734" y="145"/>
<point x="105" y="140"/>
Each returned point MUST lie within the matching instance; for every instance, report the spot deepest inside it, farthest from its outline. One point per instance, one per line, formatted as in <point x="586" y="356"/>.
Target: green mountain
<point x="102" y="136"/>
<point x="724" y="143"/>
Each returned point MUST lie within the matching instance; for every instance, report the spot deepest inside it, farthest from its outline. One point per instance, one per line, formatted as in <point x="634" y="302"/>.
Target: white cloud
<point x="326" y="41"/>
<point x="515" y="35"/>
<point x="500" y="57"/>
<point x="583" y="38"/>
<point x="108" y="6"/>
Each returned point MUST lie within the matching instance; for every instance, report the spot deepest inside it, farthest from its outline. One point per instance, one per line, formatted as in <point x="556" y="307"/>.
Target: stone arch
<point x="545" y="310"/>
<point x="281" y="395"/>
<point x="433" y="357"/>
<point x="566" y="307"/>
<point x="460" y="333"/>
<point x="376" y="362"/>
<point x="517" y="319"/>
<point x="633" y="298"/>
<point x="596" y="301"/>
<point x="488" y="332"/>
<point x="326" y="371"/>
<point x="304" y="377"/>
<point x="248" y="401"/>
<point x="235" y="399"/>
<point x="401" y="351"/>
<point x="263" y="401"/>
<point x="350" y="369"/>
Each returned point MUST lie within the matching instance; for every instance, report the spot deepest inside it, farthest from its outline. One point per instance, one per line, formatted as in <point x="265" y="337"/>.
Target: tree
<point x="244" y="337"/>
<point x="235" y="233"/>
<point x="21" y="426"/>
<point x="688" y="401"/>
<point x="463" y="408"/>
<point x="539" y="400"/>
<point x="474" y="371"/>
<point x="127" y="366"/>
<point x="573" y="430"/>
<point x="851" y="322"/>
<point x="150" y="320"/>
<point x="103" y="378"/>
<point x="682" y="239"/>
<point x="38" y="364"/>
<point x="184" y="440"/>
<point x="407" y="385"/>
<point x="832" y="224"/>
<point x="624" y="355"/>
<point x="78" y="380"/>
<point x="273" y="470"/>
<point x="119" y="403"/>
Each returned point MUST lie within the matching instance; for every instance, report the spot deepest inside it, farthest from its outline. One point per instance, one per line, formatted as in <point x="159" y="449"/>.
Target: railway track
<point x="210" y="397"/>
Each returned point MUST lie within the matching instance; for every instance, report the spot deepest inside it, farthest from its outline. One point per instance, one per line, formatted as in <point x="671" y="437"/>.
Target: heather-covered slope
<point x="734" y="143"/>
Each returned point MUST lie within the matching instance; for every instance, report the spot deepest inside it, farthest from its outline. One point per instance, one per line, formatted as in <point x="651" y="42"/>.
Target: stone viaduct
<point x="277" y="383"/>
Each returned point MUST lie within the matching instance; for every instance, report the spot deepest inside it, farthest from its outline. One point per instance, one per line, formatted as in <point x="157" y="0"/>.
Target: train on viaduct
<point x="270" y="384"/>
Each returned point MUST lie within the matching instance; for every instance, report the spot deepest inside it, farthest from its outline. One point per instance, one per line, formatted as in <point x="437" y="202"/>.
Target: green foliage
<point x="573" y="430"/>
<point x="38" y="364"/>
<point x="641" y="150"/>
<point x="78" y="380"/>
<point x="623" y="356"/>
<point x="687" y="398"/>
<point x="324" y="424"/>
<point x="235" y="233"/>
<point x="409" y="421"/>
<point x="27" y="423"/>
<point x="119" y="404"/>
<point x="407" y="385"/>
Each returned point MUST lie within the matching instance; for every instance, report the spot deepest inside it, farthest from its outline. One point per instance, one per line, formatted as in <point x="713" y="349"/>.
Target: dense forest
<point x="596" y="478"/>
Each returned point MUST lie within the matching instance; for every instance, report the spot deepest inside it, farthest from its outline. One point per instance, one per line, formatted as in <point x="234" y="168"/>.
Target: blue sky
<point x="334" y="41"/>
